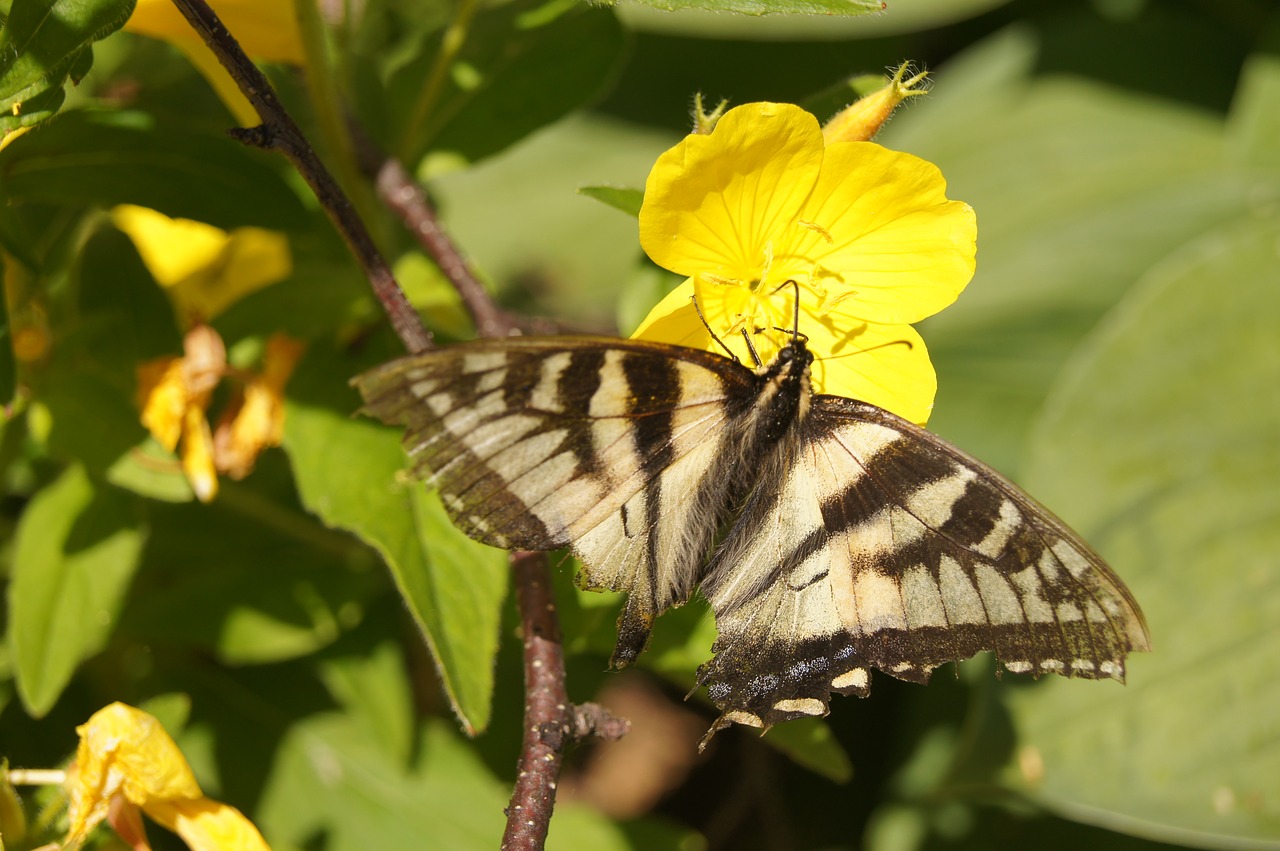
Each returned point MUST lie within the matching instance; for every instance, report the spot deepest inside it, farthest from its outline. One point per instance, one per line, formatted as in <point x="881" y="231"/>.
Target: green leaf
<point x="350" y="473"/>
<point x="1160" y="445"/>
<point x="76" y="549"/>
<point x="1254" y="123"/>
<point x="376" y="694"/>
<point x="626" y="200"/>
<point x="119" y="157"/>
<point x="42" y="44"/>
<point x="841" y="8"/>
<point x="525" y="64"/>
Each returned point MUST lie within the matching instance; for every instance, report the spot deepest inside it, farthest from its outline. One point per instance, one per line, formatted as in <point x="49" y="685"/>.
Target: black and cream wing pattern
<point x="829" y="536"/>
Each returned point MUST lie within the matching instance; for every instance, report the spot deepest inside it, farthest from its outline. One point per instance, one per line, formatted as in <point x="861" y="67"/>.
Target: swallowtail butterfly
<point x="830" y="536"/>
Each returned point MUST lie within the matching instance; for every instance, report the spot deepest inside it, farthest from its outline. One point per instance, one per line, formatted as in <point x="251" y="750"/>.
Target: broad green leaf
<point x="43" y="43"/>
<point x="524" y="65"/>
<point x="120" y="157"/>
<point x="704" y="20"/>
<point x="1160" y="445"/>
<point x="349" y="472"/>
<point x="1078" y="188"/>
<point x="76" y="549"/>
<point x="373" y="688"/>
<point x="841" y="8"/>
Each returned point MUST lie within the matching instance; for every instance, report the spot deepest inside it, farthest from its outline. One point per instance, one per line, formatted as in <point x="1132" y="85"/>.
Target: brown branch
<point x="405" y="197"/>
<point x="548" y="718"/>
<point x="279" y="132"/>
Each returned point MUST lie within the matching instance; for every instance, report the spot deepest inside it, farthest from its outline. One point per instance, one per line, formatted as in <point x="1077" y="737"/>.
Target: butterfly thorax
<point x="782" y="397"/>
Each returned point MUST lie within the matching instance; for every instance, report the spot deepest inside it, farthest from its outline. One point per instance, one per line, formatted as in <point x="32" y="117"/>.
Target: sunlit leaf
<point x="76" y="549"/>
<point x="1160" y="445"/>
<point x="349" y="472"/>
<point x="43" y="43"/>
<point x="844" y="8"/>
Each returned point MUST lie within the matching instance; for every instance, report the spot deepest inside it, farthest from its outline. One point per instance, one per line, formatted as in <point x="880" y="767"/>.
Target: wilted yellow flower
<point x="266" y="29"/>
<point x="126" y="762"/>
<point x="202" y="268"/>
<point x="867" y="235"/>
<point x="256" y="420"/>
<point x="174" y="394"/>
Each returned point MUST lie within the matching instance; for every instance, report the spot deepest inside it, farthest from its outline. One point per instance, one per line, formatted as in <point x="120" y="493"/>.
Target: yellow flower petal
<point x="889" y="240"/>
<point x="257" y="421"/>
<point x="162" y="396"/>
<point x="204" y="269"/>
<point x="126" y="760"/>
<point x="266" y="29"/>
<point x="717" y="203"/>
<point x="206" y="825"/>
<point x="197" y="455"/>
<point x="885" y="365"/>
<point x="171" y="249"/>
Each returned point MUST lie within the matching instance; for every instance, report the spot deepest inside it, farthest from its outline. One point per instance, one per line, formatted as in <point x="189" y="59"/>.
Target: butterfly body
<point x="829" y="536"/>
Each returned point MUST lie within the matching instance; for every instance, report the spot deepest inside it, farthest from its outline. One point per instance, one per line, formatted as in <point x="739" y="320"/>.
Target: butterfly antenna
<point x="795" y="332"/>
<point x="751" y="347"/>
<point x="707" y="325"/>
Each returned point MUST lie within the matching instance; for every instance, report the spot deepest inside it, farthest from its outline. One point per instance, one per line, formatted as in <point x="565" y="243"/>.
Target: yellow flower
<point x="266" y="29"/>
<point x="867" y="235"/>
<point x="126" y="762"/>
<point x="204" y="269"/>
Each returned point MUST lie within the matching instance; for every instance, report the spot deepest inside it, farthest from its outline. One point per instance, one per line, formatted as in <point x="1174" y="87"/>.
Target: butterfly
<point x="830" y="537"/>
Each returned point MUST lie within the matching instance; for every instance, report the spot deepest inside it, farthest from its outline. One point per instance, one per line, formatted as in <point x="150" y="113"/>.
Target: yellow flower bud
<point x="862" y="120"/>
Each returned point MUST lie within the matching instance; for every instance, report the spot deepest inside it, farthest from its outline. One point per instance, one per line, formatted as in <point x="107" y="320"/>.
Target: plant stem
<point x="548" y="717"/>
<point x="455" y="35"/>
<point x="279" y="132"/>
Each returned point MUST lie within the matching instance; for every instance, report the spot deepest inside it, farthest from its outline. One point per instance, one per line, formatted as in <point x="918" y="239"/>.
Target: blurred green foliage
<point x="1116" y="352"/>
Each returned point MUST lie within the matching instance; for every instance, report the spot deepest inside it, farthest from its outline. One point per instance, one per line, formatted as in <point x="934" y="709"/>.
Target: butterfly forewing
<point x="900" y="553"/>
<point x="615" y="448"/>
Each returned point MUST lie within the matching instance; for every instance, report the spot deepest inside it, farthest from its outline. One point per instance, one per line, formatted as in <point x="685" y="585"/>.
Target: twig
<point x="402" y="194"/>
<point x="279" y="132"/>
<point x="548" y="718"/>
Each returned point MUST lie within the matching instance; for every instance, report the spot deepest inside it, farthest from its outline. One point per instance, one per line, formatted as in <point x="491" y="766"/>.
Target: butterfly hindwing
<point x="888" y="548"/>
<point x="616" y="448"/>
